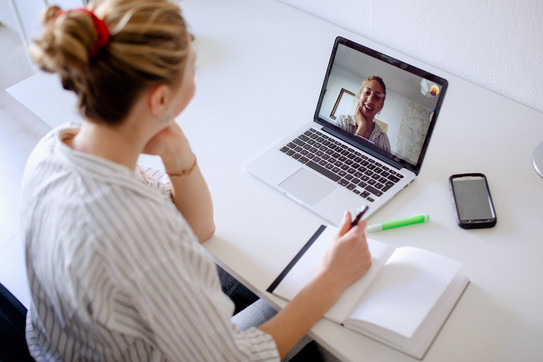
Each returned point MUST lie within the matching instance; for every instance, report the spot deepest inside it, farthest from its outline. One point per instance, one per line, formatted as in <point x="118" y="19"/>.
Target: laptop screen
<point x="380" y="104"/>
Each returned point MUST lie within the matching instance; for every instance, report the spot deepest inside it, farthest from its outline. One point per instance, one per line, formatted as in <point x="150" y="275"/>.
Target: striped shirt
<point x="377" y="136"/>
<point x="115" y="271"/>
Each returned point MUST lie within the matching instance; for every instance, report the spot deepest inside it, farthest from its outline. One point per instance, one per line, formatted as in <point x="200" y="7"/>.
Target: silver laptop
<point x="368" y="138"/>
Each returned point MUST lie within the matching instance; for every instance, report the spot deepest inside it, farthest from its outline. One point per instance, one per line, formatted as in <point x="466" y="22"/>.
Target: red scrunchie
<point x="102" y="37"/>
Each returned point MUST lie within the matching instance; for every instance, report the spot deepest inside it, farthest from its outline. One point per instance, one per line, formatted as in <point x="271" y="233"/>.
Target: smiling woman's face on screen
<point x="371" y="100"/>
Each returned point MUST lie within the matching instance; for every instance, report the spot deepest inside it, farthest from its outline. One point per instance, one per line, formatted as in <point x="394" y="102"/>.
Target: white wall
<point x="496" y="44"/>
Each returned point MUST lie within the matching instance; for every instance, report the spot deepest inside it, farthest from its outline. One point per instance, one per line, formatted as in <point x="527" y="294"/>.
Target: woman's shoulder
<point x="56" y="135"/>
<point x="345" y="118"/>
<point x="345" y="121"/>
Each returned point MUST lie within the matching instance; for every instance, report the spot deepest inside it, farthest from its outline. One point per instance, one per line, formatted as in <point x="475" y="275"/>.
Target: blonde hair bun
<point x="148" y="45"/>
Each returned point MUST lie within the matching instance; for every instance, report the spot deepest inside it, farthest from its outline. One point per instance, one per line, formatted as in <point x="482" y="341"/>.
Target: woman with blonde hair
<point x="113" y="258"/>
<point x="370" y="100"/>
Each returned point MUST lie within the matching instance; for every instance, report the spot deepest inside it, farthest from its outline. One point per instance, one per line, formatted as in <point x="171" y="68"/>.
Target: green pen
<point x="417" y="219"/>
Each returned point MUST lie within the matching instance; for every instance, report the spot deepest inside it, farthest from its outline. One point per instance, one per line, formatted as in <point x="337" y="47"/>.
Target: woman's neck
<point x="120" y="144"/>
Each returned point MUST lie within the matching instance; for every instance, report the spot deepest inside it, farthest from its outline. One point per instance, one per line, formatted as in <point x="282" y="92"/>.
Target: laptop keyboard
<point x="353" y="170"/>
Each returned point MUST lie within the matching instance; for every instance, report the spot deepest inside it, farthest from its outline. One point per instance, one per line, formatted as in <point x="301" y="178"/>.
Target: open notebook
<point x="402" y="301"/>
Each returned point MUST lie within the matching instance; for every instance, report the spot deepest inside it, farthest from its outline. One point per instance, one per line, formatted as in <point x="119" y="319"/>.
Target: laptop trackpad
<point x="307" y="187"/>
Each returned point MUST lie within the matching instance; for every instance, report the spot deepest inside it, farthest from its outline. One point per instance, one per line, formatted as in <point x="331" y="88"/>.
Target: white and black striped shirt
<point x="115" y="271"/>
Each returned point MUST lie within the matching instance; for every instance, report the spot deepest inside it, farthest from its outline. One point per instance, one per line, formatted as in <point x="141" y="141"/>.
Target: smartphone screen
<point x="472" y="200"/>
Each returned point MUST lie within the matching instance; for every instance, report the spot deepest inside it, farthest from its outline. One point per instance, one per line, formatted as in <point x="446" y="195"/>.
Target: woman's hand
<point x="347" y="257"/>
<point x="345" y="261"/>
<point x="173" y="147"/>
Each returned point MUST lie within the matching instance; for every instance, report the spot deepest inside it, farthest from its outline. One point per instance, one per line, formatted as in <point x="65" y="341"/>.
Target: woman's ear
<point x="158" y="100"/>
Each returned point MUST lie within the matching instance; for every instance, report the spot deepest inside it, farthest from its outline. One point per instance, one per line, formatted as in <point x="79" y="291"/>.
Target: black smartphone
<point x="472" y="201"/>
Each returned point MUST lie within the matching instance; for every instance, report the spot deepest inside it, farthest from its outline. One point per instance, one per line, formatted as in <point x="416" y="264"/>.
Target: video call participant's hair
<point x="112" y="51"/>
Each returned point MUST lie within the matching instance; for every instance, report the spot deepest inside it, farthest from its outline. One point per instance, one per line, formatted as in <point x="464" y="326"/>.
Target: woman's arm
<point x="346" y="260"/>
<point x="189" y="191"/>
<point x="192" y="198"/>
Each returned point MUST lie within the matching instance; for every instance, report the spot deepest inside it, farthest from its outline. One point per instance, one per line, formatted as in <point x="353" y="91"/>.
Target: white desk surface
<point x="259" y="71"/>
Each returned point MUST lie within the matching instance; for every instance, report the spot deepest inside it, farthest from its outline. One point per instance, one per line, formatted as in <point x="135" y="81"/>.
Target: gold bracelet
<point x="184" y="172"/>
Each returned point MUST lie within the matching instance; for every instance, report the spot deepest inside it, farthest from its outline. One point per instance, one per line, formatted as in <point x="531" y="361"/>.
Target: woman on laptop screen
<point x="370" y="100"/>
<point x="113" y="258"/>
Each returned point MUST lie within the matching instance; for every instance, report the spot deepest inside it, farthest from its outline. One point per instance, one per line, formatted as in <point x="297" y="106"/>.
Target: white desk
<point x="259" y="72"/>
